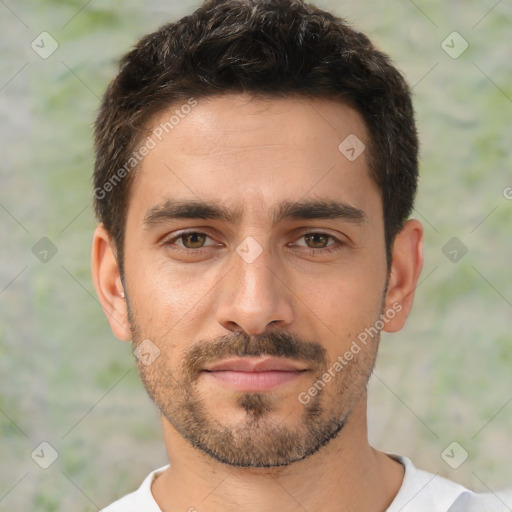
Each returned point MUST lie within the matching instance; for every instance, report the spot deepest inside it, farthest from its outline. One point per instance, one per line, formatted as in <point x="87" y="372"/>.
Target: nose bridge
<point x="255" y="279"/>
<point x="253" y="297"/>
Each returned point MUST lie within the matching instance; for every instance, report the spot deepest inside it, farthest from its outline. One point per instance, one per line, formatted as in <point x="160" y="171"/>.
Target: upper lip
<point x="255" y="364"/>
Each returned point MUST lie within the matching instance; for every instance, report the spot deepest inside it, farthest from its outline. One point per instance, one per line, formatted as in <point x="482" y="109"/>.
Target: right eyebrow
<point x="172" y="209"/>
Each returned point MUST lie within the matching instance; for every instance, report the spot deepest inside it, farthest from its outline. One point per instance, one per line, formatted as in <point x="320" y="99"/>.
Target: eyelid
<point x="339" y="237"/>
<point x="328" y="235"/>
<point x="178" y="234"/>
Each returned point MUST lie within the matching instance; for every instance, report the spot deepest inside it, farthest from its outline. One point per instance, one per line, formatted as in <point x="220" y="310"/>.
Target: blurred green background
<point x="66" y="380"/>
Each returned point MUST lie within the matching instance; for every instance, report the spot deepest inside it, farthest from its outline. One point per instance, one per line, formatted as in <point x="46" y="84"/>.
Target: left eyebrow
<point x="297" y="210"/>
<point x="313" y="209"/>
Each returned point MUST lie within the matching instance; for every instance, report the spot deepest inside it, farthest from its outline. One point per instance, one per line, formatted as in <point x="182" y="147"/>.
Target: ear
<point x="108" y="285"/>
<point x="407" y="262"/>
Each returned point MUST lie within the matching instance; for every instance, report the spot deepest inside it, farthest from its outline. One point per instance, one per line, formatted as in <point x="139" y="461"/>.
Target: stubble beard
<point x="262" y="439"/>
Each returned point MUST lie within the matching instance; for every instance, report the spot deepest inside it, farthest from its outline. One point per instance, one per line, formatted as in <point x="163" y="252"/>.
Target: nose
<point x="255" y="296"/>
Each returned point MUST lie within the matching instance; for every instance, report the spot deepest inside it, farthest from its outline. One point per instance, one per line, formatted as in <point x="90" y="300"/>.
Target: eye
<point x="190" y="240"/>
<point x="317" y="240"/>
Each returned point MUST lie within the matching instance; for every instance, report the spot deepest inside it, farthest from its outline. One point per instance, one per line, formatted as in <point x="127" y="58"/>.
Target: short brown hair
<point x="267" y="48"/>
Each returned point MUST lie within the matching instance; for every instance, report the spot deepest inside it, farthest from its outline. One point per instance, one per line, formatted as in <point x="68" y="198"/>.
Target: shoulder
<point x="500" y="501"/>
<point x="126" y="504"/>
<point x="424" y="492"/>
<point x="141" y="499"/>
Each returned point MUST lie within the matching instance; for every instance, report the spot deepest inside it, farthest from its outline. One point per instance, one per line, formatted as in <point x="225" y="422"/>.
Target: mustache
<point x="273" y="343"/>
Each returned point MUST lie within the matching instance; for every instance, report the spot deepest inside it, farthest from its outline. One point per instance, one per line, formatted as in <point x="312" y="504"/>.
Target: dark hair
<point x="267" y="48"/>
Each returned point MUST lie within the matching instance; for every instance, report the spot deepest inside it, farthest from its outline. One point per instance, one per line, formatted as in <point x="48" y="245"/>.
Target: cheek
<point x="170" y="304"/>
<point x="159" y="285"/>
<point x="345" y="311"/>
<point x="345" y="301"/>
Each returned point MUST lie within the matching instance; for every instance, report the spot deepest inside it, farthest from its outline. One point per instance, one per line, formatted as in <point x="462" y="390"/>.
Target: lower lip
<point x="254" y="381"/>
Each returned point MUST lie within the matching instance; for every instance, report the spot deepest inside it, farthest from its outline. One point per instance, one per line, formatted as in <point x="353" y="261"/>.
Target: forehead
<point x="234" y="122"/>
<point x="254" y="153"/>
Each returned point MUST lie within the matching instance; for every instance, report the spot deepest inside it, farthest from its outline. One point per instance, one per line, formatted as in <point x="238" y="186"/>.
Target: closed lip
<point x="256" y="364"/>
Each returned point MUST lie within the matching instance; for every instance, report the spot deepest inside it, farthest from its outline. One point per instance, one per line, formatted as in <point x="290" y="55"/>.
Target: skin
<point x="250" y="155"/>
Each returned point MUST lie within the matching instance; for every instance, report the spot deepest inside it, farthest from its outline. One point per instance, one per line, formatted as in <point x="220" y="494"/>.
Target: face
<point x="254" y="263"/>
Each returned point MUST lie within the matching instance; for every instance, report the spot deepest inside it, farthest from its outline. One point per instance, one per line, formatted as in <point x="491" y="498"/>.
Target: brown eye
<point x="317" y="240"/>
<point x="193" y="240"/>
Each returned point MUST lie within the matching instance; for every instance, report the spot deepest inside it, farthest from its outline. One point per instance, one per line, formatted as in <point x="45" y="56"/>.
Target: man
<point x="256" y="164"/>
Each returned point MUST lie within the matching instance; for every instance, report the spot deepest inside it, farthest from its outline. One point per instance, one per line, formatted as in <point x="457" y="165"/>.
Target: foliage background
<point x="64" y="379"/>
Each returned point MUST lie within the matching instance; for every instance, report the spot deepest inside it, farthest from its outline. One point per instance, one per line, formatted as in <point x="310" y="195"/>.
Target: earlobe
<point x="108" y="285"/>
<point x="406" y="268"/>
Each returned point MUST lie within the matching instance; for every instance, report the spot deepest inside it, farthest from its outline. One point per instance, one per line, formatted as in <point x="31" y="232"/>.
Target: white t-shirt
<point x="500" y="501"/>
<point x="420" y="492"/>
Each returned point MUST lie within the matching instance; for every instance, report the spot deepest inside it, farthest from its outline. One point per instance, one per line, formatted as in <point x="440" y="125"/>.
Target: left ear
<point x="407" y="262"/>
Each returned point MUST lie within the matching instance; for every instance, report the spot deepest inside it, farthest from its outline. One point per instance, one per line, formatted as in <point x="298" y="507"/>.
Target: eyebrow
<point x="298" y="210"/>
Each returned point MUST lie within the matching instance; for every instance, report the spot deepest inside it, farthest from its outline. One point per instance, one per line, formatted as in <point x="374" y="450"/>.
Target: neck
<point x="347" y="474"/>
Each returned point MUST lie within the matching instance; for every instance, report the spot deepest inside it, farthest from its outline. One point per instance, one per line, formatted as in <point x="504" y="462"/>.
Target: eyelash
<point x="309" y="250"/>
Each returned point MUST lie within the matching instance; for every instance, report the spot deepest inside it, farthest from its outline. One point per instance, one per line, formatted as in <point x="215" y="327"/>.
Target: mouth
<point x="254" y="373"/>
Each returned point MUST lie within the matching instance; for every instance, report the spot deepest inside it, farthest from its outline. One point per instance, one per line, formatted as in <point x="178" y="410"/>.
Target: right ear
<point x="107" y="282"/>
